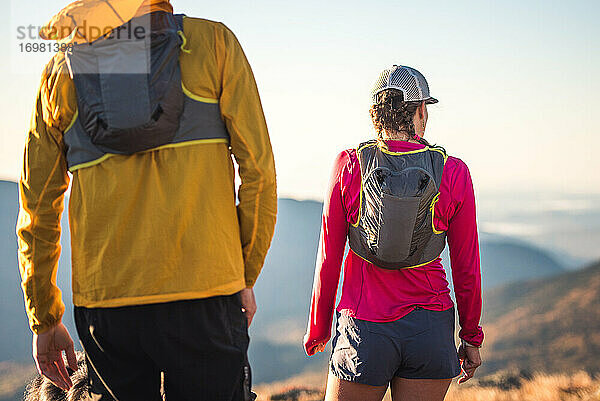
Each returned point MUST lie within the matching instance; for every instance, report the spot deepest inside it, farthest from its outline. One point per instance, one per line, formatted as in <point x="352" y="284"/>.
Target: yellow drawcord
<point x="435" y="199"/>
<point x="183" y="49"/>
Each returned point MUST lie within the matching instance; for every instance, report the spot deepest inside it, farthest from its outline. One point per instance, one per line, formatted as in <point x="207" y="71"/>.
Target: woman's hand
<point x="320" y="347"/>
<point x="470" y="360"/>
<point x="312" y="346"/>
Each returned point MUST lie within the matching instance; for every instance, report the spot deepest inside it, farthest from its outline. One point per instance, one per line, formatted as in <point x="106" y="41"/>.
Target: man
<point x="163" y="261"/>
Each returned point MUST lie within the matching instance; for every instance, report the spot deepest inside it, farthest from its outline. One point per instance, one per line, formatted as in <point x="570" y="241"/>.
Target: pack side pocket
<point x="397" y="226"/>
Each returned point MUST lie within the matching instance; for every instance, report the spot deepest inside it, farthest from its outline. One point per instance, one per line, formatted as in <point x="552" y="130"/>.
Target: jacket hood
<point x="86" y="20"/>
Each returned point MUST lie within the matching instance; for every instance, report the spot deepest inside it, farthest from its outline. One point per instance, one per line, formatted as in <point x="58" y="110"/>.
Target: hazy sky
<point x="516" y="80"/>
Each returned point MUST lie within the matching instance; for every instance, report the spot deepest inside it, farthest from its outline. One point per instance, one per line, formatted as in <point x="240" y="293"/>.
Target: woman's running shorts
<point x="420" y="345"/>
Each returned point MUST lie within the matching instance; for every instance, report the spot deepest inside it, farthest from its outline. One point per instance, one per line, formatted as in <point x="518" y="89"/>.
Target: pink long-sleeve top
<point x="379" y="295"/>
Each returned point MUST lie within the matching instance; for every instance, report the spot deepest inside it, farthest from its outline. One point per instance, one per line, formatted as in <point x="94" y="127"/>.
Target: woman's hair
<point x="392" y="113"/>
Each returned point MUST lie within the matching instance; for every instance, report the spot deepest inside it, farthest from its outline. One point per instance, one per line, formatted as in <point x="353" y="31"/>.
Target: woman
<point x="397" y="200"/>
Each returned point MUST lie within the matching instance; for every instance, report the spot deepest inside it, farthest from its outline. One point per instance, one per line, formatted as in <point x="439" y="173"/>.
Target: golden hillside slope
<point x="579" y="386"/>
<point x="552" y="325"/>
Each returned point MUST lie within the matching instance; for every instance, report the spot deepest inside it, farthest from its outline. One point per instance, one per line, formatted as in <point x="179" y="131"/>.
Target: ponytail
<point x="392" y="113"/>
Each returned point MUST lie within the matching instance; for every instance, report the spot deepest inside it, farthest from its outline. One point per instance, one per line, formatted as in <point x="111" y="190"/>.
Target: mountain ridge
<point x="282" y="291"/>
<point x="550" y="324"/>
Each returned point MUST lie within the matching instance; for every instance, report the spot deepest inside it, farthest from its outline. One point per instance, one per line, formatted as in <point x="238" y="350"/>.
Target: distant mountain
<point x="288" y="271"/>
<point x="283" y="289"/>
<point x="15" y="336"/>
<point x="13" y="331"/>
<point x="550" y="325"/>
<point x="283" y="293"/>
<point x="13" y="379"/>
<point x="505" y="260"/>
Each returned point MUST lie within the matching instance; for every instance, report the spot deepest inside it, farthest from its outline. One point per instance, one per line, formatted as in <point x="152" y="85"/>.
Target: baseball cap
<point x="405" y="79"/>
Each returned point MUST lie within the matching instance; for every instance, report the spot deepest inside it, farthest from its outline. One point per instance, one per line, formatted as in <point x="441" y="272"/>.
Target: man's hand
<point x="248" y="303"/>
<point x="470" y="360"/>
<point x="47" y="353"/>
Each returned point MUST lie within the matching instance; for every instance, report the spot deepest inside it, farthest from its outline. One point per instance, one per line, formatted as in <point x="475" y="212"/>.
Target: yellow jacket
<point x="156" y="226"/>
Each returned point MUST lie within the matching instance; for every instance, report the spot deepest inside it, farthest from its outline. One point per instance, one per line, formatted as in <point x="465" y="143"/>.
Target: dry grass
<point x="503" y="387"/>
<point x="576" y="387"/>
<point x="307" y="380"/>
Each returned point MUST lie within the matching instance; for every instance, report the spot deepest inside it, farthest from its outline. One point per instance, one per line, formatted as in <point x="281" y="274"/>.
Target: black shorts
<point x="418" y="346"/>
<point x="200" y="346"/>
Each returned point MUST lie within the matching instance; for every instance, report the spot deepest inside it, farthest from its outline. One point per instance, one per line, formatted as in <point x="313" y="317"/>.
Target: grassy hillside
<point x="551" y="325"/>
<point x="579" y="386"/>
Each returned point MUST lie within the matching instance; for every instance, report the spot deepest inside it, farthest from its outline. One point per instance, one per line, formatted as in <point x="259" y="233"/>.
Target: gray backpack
<point x="128" y="84"/>
<point x="398" y="194"/>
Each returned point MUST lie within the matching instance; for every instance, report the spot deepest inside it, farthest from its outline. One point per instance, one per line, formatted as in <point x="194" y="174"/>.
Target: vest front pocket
<point x="397" y="225"/>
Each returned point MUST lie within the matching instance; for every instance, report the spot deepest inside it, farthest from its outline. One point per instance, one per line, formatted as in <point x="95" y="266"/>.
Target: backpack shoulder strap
<point x="439" y="149"/>
<point x="179" y="21"/>
<point x="365" y="145"/>
<point x="438" y="161"/>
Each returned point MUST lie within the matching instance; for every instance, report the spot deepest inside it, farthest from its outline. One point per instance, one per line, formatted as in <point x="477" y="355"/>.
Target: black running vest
<point x="395" y="228"/>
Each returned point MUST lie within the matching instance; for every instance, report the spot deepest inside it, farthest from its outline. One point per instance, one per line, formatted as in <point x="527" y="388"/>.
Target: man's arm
<point x="43" y="183"/>
<point x="243" y="115"/>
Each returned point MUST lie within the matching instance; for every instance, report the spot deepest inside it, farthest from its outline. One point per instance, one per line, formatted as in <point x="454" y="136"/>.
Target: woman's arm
<point x="332" y="244"/>
<point x="464" y="255"/>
